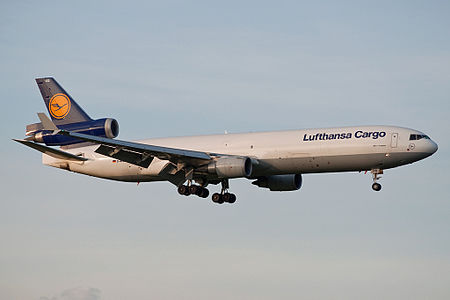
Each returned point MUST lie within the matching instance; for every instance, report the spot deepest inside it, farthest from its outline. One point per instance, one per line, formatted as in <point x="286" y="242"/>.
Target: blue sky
<point x="182" y="68"/>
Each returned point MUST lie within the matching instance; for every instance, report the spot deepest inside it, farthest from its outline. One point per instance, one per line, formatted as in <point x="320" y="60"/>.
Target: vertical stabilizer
<point x="61" y="107"/>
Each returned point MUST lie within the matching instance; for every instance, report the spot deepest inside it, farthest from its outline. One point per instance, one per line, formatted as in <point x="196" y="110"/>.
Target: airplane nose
<point x="432" y="147"/>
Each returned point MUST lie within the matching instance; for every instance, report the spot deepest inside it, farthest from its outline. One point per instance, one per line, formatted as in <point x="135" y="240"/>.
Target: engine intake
<point x="289" y="182"/>
<point x="231" y="167"/>
<point x="111" y="128"/>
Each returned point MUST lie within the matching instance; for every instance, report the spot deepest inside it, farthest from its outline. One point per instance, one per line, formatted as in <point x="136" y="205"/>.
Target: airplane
<point x="275" y="160"/>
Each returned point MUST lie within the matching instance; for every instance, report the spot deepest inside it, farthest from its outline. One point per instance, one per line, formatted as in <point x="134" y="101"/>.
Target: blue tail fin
<point x="62" y="108"/>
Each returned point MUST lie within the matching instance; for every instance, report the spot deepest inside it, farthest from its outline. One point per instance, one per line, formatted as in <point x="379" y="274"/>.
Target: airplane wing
<point x="142" y="154"/>
<point x="51" y="151"/>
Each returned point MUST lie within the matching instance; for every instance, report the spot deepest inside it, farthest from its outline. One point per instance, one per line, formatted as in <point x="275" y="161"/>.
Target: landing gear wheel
<point x="226" y="197"/>
<point x="232" y="198"/>
<point x="217" y="198"/>
<point x="194" y="189"/>
<point x="204" y="193"/>
<point x="183" y="190"/>
<point x="376" y="187"/>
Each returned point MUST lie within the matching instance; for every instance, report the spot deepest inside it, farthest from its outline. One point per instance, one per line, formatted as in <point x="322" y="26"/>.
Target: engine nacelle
<point x="111" y="128"/>
<point x="290" y="182"/>
<point x="231" y="167"/>
<point x="102" y="127"/>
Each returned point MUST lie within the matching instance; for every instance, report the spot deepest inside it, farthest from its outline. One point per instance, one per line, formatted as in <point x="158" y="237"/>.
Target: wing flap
<point x="126" y="155"/>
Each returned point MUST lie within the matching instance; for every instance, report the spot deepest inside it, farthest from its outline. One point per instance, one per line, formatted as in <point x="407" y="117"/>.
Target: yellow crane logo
<point x="59" y="106"/>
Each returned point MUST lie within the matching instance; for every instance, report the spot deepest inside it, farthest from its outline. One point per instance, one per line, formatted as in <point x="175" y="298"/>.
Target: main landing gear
<point x="224" y="196"/>
<point x="188" y="190"/>
<point x="375" y="172"/>
<point x="202" y="192"/>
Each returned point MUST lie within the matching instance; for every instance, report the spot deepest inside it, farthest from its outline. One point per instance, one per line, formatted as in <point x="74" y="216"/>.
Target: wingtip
<point x="19" y="141"/>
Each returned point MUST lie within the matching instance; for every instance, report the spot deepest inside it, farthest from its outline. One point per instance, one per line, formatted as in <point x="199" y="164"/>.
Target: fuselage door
<point x="394" y="140"/>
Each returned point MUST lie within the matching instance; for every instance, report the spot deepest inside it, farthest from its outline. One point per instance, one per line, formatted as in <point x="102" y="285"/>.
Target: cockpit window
<point x="414" y="137"/>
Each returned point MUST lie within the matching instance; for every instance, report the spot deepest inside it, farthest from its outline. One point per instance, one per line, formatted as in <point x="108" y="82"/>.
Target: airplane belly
<point x="327" y="163"/>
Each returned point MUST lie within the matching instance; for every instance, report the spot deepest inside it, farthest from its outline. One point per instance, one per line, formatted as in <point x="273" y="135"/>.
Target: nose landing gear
<point x="376" y="187"/>
<point x="375" y="172"/>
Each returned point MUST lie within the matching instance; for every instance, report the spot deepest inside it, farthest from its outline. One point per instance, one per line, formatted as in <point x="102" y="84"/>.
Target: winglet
<point x="46" y="122"/>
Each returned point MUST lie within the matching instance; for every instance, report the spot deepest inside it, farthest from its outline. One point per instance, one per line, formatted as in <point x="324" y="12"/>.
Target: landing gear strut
<point x="224" y="196"/>
<point x="375" y="172"/>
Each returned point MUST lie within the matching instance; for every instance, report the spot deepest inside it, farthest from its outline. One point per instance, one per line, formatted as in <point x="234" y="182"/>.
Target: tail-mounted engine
<point x="290" y="182"/>
<point x="102" y="127"/>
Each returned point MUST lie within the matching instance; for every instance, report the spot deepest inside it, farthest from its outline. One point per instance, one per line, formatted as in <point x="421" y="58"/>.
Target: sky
<point x="175" y="68"/>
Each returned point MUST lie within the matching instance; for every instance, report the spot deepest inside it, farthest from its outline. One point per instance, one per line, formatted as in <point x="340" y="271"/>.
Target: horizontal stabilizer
<point x="51" y="151"/>
<point x="31" y="129"/>
<point x="47" y="124"/>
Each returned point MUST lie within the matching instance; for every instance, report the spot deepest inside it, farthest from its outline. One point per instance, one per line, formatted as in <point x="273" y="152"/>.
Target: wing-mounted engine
<point x="289" y="182"/>
<point x="107" y="127"/>
<point x="231" y="167"/>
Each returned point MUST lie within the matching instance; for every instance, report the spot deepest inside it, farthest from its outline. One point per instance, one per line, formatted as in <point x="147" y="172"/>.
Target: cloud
<point x="77" y="293"/>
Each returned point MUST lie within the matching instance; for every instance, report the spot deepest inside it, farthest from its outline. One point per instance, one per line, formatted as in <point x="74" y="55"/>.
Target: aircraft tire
<point x="232" y="198"/>
<point x="376" y="187"/>
<point x="204" y="193"/>
<point x="226" y="197"/>
<point x="182" y="190"/>
<point x="217" y="198"/>
<point x="194" y="189"/>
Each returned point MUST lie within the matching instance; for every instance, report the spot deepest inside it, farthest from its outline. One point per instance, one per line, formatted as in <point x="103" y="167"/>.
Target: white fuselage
<point x="278" y="152"/>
